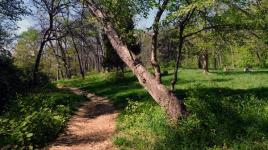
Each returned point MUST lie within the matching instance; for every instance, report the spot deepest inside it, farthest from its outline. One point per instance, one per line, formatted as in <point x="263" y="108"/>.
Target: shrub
<point x="10" y="82"/>
<point x="14" y="80"/>
<point x="34" y="119"/>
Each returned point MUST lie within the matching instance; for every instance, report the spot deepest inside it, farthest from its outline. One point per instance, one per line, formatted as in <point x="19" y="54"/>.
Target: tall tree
<point x="173" y="106"/>
<point x="50" y="9"/>
<point x="154" y="62"/>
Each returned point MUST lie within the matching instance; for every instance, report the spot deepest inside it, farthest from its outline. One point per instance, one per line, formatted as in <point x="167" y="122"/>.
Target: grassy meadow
<point x="228" y="110"/>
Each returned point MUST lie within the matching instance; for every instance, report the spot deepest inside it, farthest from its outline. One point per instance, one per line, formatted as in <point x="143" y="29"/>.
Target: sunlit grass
<point x="228" y="110"/>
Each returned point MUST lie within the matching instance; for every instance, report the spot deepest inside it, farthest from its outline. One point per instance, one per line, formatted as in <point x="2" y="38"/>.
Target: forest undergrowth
<point x="35" y="118"/>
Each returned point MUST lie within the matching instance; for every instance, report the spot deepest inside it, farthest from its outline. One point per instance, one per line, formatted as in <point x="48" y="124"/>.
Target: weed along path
<point x="90" y="128"/>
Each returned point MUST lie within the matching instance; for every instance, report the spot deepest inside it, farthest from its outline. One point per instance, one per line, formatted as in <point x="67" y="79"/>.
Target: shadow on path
<point x="90" y="128"/>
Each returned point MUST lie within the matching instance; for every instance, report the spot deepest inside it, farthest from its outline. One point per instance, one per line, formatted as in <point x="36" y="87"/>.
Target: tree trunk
<point x="203" y="61"/>
<point x="79" y="59"/>
<point x="205" y="65"/>
<point x="65" y="60"/>
<point x="154" y="61"/>
<point x="56" y="54"/>
<point x="261" y="62"/>
<point x="215" y="62"/>
<point x="165" y="98"/>
<point x="176" y="69"/>
<point x="42" y="46"/>
<point x="102" y="49"/>
<point x="58" y="72"/>
<point x="182" y="25"/>
<point x="37" y="62"/>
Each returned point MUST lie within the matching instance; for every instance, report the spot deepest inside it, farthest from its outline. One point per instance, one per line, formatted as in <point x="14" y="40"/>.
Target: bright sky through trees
<point x="140" y="22"/>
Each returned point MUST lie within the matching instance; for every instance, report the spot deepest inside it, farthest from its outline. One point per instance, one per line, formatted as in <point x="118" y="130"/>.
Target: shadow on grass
<point x="118" y="90"/>
<point x="260" y="93"/>
<point x="220" y="115"/>
<point x="259" y="72"/>
<point x="218" y="126"/>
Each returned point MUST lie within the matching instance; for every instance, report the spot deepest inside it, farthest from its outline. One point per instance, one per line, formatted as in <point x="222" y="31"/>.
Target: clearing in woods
<point x="91" y="127"/>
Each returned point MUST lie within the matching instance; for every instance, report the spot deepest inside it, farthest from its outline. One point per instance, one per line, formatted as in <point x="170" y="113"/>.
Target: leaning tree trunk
<point x="165" y="98"/>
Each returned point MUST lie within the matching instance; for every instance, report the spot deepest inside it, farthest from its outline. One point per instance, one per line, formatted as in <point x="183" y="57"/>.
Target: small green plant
<point x="34" y="119"/>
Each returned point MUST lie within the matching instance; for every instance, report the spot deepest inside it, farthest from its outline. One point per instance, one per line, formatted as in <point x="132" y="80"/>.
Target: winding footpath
<point x="90" y="128"/>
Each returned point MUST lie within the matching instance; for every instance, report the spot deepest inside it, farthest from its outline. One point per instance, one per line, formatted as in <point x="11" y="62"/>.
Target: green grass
<point x="36" y="118"/>
<point x="227" y="110"/>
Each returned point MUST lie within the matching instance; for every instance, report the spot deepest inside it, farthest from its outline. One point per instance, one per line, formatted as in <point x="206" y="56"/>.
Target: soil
<point x="90" y="128"/>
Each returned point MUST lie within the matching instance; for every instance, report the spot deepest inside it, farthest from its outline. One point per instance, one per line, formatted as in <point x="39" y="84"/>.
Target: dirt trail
<point x="90" y="128"/>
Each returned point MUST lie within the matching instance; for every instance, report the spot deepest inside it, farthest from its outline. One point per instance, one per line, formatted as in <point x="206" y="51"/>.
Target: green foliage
<point x="227" y="111"/>
<point x="225" y="118"/>
<point x="36" y="118"/>
<point x="186" y="7"/>
<point x="10" y="11"/>
<point x="130" y="7"/>
<point x="124" y="24"/>
<point x="12" y="79"/>
<point x="25" y="55"/>
<point x="246" y="58"/>
<point x="26" y="49"/>
<point x="231" y="122"/>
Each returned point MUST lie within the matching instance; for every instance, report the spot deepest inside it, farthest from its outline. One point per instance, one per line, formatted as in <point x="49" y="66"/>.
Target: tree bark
<point x="182" y="25"/>
<point x="37" y="62"/>
<point x="215" y="62"/>
<point x="78" y="57"/>
<point x="203" y="61"/>
<point x="45" y="39"/>
<point x="206" y="62"/>
<point x="56" y="54"/>
<point x="176" y="69"/>
<point x="154" y="61"/>
<point x="65" y="60"/>
<point x="173" y="106"/>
